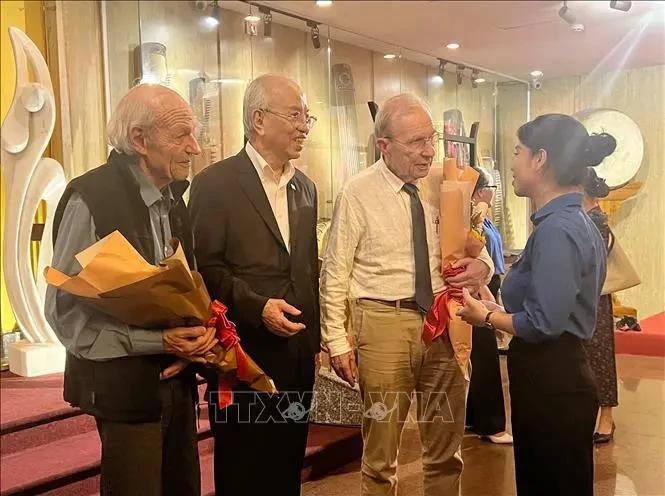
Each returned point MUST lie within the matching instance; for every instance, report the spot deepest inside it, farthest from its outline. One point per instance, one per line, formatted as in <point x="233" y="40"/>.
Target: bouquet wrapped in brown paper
<point x="117" y="280"/>
<point x="461" y="236"/>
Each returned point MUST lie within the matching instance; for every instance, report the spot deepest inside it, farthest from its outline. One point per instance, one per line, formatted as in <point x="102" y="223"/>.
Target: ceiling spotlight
<point x="314" y="31"/>
<point x="389" y="56"/>
<point x="567" y="15"/>
<point x="460" y="74"/>
<point x="215" y="16"/>
<point x="536" y="73"/>
<point x="621" y="5"/>
<point x="442" y="69"/>
<point x="476" y="79"/>
<point x="252" y="18"/>
<point x="267" y="21"/>
<point x="323" y="3"/>
<point x="452" y="46"/>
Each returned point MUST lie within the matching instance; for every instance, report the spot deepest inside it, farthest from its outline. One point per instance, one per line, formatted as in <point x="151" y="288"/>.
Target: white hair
<point x="129" y="114"/>
<point x="402" y="103"/>
<point x="256" y="98"/>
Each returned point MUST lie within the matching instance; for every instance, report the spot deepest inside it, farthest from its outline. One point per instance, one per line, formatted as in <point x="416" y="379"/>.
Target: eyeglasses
<point x="418" y="144"/>
<point x="294" y="118"/>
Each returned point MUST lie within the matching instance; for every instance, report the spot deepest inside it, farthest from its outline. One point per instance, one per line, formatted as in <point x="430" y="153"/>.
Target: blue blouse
<point x="555" y="285"/>
<point x="494" y="246"/>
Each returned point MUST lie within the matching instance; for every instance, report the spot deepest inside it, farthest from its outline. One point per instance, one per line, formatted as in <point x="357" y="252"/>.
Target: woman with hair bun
<point x="551" y="297"/>
<point x="600" y="348"/>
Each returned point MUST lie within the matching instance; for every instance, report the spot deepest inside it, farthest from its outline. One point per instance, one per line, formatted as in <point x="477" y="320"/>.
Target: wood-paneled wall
<point x="74" y="54"/>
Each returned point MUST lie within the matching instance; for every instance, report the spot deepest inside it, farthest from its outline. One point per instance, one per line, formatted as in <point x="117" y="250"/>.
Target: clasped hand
<point x="473" y="277"/>
<point x="275" y="320"/>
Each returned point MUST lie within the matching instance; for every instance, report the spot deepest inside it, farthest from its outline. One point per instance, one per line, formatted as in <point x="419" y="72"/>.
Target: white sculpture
<point x="28" y="178"/>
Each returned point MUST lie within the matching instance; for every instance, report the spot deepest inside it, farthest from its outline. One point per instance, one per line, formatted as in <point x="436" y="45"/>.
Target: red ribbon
<point x="438" y="317"/>
<point x="228" y="338"/>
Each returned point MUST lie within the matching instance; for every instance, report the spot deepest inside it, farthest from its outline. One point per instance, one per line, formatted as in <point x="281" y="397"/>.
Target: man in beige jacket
<point x="383" y="258"/>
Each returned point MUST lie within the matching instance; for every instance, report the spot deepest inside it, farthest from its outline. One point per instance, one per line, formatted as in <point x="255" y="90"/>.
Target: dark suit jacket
<point x="244" y="261"/>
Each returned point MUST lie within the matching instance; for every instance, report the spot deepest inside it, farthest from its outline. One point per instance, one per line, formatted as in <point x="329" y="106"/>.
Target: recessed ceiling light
<point x="452" y="46"/>
<point x="480" y="80"/>
<point x="252" y="18"/>
<point x="536" y="73"/>
<point x="324" y="3"/>
<point x="578" y="28"/>
<point x="389" y="56"/>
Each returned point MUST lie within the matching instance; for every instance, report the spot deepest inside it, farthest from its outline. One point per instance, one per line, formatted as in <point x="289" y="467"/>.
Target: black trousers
<point x="553" y="408"/>
<point x="153" y="458"/>
<point x="260" y="439"/>
<point x="485" y="410"/>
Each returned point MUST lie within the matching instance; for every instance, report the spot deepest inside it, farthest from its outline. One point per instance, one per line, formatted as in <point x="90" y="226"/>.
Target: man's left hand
<point x="174" y="369"/>
<point x="474" y="275"/>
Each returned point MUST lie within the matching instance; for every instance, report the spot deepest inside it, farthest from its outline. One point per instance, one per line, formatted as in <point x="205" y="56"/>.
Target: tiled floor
<point x="633" y="465"/>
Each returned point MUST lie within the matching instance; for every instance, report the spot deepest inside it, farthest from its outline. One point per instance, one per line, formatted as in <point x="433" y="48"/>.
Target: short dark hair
<point x="570" y="149"/>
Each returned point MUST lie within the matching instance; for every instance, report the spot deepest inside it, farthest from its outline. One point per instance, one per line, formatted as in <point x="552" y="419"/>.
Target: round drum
<point x="621" y="167"/>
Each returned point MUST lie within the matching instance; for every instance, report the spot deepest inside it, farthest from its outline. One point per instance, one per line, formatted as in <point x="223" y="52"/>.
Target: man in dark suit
<point x="254" y="217"/>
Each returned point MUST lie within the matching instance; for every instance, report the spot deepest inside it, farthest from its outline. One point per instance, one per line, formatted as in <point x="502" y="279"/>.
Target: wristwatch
<point x="488" y="324"/>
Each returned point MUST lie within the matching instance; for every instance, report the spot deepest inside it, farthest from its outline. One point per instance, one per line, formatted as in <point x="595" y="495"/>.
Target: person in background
<point x="147" y="426"/>
<point x="551" y="299"/>
<point x="485" y="409"/>
<point x="600" y="348"/>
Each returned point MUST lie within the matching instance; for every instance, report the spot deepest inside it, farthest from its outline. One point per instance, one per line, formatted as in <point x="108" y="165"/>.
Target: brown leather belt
<point x="408" y="304"/>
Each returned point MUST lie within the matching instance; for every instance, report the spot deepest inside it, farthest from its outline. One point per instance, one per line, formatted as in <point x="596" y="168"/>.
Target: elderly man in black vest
<point x="135" y="382"/>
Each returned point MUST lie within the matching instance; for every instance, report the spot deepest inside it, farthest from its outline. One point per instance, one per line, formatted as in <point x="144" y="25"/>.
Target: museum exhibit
<point x="235" y="199"/>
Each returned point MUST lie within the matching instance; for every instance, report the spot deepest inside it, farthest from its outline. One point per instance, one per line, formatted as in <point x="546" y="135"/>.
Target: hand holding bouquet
<point x="117" y="280"/>
<point x="461" y="237"/>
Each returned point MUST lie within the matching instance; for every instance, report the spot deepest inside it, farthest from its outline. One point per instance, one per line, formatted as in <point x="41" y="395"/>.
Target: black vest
<point x="122" y="389"/>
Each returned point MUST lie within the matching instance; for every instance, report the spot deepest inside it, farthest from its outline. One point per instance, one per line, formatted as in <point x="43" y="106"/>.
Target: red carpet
<point x="649" y="342"/>
<point x="47" y="447"/>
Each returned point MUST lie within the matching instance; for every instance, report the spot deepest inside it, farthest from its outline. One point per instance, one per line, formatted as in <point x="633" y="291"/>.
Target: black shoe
<point x="599" y="438"/>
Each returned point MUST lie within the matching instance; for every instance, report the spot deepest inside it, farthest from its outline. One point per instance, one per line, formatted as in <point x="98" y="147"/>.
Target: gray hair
<point x="256" y="98"/>
<point x="395" y="105"/>
<point x="129" y="114"/>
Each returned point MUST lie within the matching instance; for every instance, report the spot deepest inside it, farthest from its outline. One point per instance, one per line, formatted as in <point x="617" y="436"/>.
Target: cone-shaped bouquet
<point x="117" y="280"/>
<point x="461" y="236"/>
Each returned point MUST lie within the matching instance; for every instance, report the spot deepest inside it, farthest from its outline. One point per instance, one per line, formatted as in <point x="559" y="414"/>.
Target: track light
<point x="212" y="20"/>
<point x="267" y="21"/>
<point x="442" y="68"/>
<point x="314" y="30"/>
<point x="476" y="79"/>
<point x="460" y="74"/>
<point x="567" y="15"/>
<point x="623" y="6"/>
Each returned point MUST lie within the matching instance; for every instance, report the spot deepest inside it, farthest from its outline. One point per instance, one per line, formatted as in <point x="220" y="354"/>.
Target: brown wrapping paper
<point x="116" y="280"/>
<point x="457" y="242"/>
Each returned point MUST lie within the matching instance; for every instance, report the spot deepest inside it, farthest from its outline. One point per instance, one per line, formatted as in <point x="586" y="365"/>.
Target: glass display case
<point x="209" y="51"/>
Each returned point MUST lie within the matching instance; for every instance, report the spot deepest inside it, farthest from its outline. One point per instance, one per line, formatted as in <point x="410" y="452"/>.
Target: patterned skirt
<point x="600" y="353"/>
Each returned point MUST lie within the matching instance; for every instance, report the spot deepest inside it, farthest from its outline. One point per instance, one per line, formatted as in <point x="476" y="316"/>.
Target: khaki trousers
<point x="394" y="368"/>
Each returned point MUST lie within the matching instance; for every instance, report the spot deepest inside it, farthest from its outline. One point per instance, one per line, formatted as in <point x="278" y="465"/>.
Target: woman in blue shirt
<point x="551" y="295"/>
<point x="485" y="411"/>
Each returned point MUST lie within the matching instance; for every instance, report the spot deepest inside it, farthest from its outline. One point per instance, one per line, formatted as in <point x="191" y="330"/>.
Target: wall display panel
<point x="511" y="112"/>
<point x="210" y="65"/>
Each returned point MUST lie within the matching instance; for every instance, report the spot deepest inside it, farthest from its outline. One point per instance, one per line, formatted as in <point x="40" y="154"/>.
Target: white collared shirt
<point x="275" y="189"/>
<point x="370" y="249"/>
